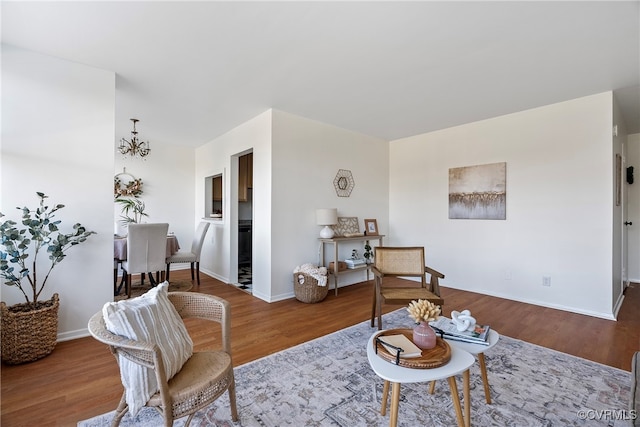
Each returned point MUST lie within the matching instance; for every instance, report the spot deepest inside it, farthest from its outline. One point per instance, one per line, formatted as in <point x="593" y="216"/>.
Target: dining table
<point x="120" y="246"/>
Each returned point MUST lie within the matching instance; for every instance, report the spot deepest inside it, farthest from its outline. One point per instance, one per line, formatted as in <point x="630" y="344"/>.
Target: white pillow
<point x="153" y="318"/>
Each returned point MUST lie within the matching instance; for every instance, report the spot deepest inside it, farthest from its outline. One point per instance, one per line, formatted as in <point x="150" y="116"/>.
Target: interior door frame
<point x="624" y="238"/>
<point x="234" y="213"/>
<point x="233" y="218"/>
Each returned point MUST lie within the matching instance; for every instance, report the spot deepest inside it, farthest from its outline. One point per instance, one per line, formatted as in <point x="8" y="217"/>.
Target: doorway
<point x="245" y="222"/>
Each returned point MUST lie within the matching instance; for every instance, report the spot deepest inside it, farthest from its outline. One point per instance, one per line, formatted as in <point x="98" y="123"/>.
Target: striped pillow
<point x="152" y="318"/>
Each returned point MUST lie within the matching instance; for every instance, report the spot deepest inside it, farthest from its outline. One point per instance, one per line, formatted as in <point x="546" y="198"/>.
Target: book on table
<point x="446" y="328"/>
<point x="393" y="343"/>
<point x="354" y="262"/>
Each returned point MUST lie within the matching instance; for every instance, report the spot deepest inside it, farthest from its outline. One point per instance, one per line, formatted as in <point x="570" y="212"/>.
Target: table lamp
<point x="327" y="217"/>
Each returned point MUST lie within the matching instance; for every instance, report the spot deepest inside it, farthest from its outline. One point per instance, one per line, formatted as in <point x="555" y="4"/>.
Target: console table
<point x="336" y="241"/>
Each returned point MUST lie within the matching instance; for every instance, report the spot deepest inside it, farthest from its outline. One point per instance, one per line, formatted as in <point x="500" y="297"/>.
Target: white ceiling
<point x="191" y="71"/>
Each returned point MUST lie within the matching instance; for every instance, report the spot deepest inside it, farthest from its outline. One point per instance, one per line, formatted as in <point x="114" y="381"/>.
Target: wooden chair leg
<point x="432" y="387"/>
<point x="467" y="398"/>
<point x="198" y="272"/>
<point x="373" y="307"/>
<point x="395" y="403"/>
<point x="385" y="397"/>
<point x="115" y="280"/>
<point x="168" y="270"/>
<point x="456" y="400"/>
<point x="123" y="283"/>
<point x="121" y="410"/>
<point x="485" y="378"/>
<point x="232" y="400"/>
<point x="192" y="277"/>
<point x="128" y="285"/>
<point x="379" y="310"/>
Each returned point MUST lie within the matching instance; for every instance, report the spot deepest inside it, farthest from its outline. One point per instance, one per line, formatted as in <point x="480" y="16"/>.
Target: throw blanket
<point x="318" y="273"/>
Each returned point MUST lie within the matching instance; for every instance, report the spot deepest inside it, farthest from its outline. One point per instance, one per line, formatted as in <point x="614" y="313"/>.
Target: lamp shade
<point x="327" y="216"/>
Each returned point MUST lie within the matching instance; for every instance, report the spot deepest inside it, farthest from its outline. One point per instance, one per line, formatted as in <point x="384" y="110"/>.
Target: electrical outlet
<point x="546" y="280"/>
<point x="508" y="275"/>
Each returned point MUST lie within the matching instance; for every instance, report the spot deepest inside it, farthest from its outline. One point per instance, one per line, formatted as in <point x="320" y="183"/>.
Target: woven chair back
<point x="404" y="261"/>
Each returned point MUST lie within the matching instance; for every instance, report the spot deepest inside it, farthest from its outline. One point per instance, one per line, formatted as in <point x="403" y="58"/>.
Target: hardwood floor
<point x="80" y="379"/>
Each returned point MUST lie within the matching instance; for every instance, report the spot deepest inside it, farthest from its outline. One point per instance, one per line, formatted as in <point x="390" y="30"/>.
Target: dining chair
<point x="116" y="265"/>
<point x="192" y="256"/>
<point x="146" y="251"/>
<point x="402" y="262"/>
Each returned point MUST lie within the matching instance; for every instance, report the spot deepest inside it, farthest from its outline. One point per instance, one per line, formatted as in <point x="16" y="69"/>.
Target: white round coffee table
<point x="460" y="362"/>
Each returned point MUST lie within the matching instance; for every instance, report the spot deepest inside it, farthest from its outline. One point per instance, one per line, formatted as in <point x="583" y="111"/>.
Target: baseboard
<point x="607" y="316"/>
<point x="214" y="275"/>
<point x="618" y="305"/>
<point x="72" y="335"/>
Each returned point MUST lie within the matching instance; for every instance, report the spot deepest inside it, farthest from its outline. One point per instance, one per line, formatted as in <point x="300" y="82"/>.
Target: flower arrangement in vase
<point x="422" y="312"/>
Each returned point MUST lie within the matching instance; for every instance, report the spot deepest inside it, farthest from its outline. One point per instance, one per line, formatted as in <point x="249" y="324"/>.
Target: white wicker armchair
<point x="202" y="379"/>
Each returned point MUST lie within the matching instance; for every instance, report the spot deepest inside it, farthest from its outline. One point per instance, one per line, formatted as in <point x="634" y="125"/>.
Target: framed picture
<point x="371" y="227"/>
<point x="478" y="192"/>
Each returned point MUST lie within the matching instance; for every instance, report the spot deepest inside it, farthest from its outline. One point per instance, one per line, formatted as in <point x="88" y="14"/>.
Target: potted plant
<point x="368" y="253"/>
<point x="29" y="329"/>
<point x="132" y="210"/>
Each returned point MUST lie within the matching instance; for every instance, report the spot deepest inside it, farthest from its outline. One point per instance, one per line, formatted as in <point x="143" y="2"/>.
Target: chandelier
<point x="134" y="147"/>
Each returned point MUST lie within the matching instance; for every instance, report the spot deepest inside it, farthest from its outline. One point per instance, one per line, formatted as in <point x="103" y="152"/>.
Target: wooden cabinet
<point x="217" y="188"/>
<point x="214" y="197"/>
<point x="250" y="170"/>
<point x="245" y="176"/>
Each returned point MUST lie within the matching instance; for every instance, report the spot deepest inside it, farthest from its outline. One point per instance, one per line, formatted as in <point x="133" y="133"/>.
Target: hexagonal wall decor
<point x="344" y="183"/>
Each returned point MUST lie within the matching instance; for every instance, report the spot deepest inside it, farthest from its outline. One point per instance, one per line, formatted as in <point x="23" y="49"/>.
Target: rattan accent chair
<point x="202" y="379"/>
<point x="402" y="262"/>
<point x="192" y="256"/>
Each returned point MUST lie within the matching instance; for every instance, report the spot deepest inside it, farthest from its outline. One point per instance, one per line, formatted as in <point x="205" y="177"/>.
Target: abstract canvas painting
<point x="478" y="192"/>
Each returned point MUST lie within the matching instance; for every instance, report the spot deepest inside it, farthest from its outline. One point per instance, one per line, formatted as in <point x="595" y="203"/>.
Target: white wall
<point x="294" y="163"/>
<point x="220" y="157"/>
<point x="633" y="208"/>
<point x="559" y="198"/>
<point x="306" y="158"/>
<point x="57" y="138"/>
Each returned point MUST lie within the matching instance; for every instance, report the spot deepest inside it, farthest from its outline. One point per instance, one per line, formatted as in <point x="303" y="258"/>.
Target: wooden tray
<point x="432" y="358"/>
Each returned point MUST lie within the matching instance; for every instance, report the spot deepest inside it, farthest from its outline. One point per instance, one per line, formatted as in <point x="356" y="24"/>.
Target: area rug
<point x="137" y="289"/>
<point x="328" y="382"/>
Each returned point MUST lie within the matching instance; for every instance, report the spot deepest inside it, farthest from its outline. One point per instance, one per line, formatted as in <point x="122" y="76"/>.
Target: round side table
<point x="395" y="375"/>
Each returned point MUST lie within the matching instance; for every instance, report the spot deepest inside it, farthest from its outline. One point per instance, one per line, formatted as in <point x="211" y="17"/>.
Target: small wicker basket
<point x="307" y="290"/>
<point x="29" y="335"/>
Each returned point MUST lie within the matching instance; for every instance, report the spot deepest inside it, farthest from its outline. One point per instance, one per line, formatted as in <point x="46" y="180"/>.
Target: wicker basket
<point x="307" y="290"/>
<point x="29" y="335"/>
